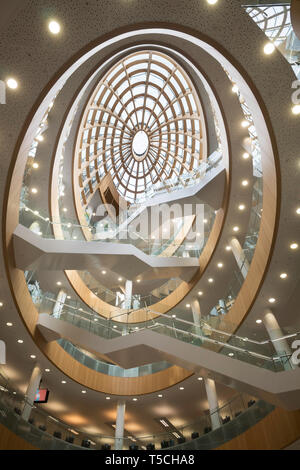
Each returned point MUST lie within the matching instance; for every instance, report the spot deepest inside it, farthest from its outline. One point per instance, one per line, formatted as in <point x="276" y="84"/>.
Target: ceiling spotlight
<point x="212" y="2"/>
<point x="236" y="229"/>
<point x="138" y="281"/>
<point x="104" y="272"/>
<point x="231" y="354"/>
<point x="258" y="321"/>
<point x="33" y="356"/>
<point x="246" y="155"/>
<point x="63" y="382"/>
<point x="269" y="48"/>
<point x="298" y="211"/>
<point x="107" y="398"/>
<point x="235" y="89"/>
<point x="245" y="183"/>
<point x="210" y="280"/>
<point x="296" y="109"/>
<point x="294" y="246"/>
<point x="220" y="265"/>
<point x="228" y="248"/>
<point x="188" y="305"/>
<point x="134" y="399"/>
<point x="65" y="209"/>
<point x="181" y="388"/>
<point x="9" y="324"/>
<point x="272" y="300"/>
<point x="35" y="166"/>
<point x="245" y="123"/>
<point x="58" y="283"/>
<point x="120" y="279"/>
<point x="283" y="276"/>
<point x="200" y="293"/>
<point x="54" y="27"/>
<point x="47" y="370"/>
<point x="173" y="316"/>
<point x="160" y="396"/>
<point x="1" y="304"/>
<point x="34" y="190"/>
<point x="83" y="391"/>
<point x="40" y="138"/>
<point x="12" y="83"/>
<point x="200" y="378"/>
<point x="242" y="207"/>
<point x="20" y="341"/>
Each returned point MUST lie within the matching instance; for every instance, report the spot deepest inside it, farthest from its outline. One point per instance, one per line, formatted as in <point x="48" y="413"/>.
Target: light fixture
<point x="236" y="229"/>
<point x="283" y="276"/>
<point x="246" y="155"/>
<point x="200" y="293"/>
<point x="47" y="370"/>
<point x="35" y="166"/>
<point x="188" y="305"/>
<point x="12" y="83"/>
<point x="220" y="265"/>
<point x="231" y="354"/>
<point x="210" y="280"/>
<point x="138" y="281"/>
<point x="33" y="356"/>
<point x="20" y="341"/>
<point x="212" y="2"/>
<point x="242" y="207"/>
<point x="1" y="304"/>
<point x="40" y="138"/>
<point x="272" y="300"/>
<point x="269" y="48"/>
<point x="134" y="399"/>
<point x="107" y="398"/>
<point x="120" y="279"/>
<point x="54" y="27"/>
<point x="200" y="378"/>
<point x="83" y="391"/>
<point x="235" y="88"/>
<point x="298" y="211"/>
<point x="63" y="382"/>
<point x="173" y="316"/>
<point x="9" y="324"/>
<point x="65" y="209"/>
<point x="245" y="183"/>
<point x="228" y="248"/>
<point x="294" y="246"/>
<point x="58" y="283"/>
<point x="245" y="124"/>
<point x="103" y="272"/>
<point x="160" y="396"/>
<point x="34" y="190"/>
<point x="68" y="297"/>
<point x="181" y="388"/>
<point x="258" y="321"/>
<point x="296" y="109"/>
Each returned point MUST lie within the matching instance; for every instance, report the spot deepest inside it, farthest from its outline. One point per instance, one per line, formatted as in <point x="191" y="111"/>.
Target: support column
<point x="239" y="255"/>
<point x="196" y="310"/>
<point x="212" y="398"/>
<point x="128" y="294"/>
<point x="281" y="346"/>
<point x="33" y="385"/>
<point x="119" y="434"/>
<point x="59" y="304"/>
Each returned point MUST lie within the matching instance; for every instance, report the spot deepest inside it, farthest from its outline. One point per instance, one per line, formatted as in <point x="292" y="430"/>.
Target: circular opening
<point x="140" y="143"/>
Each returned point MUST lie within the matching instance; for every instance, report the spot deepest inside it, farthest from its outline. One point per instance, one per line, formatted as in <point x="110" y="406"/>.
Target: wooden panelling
<point x="10" y="441"/>
<point x="276" y="431"/>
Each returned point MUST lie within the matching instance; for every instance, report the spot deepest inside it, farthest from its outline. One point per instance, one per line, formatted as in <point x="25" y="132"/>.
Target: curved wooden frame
<point x="266" y="240"/>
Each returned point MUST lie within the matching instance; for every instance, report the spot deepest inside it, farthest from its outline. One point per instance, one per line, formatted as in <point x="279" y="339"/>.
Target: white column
<point x="59" y="304"/>
<point x="119" y="435"/>
<point x="31" y="391"/>
<point x="212" y="398"/>
<point x="128" y="294"/>
<point x="239" y="255"/>
<point x="281" y="346"/>
<point x="196" y="310"/>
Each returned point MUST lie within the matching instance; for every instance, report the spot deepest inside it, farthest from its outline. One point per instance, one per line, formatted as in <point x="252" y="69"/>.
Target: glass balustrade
<point x="44" y="431"/>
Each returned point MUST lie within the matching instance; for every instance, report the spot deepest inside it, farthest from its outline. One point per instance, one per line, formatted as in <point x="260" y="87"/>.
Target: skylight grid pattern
<point x="147" y="91"/>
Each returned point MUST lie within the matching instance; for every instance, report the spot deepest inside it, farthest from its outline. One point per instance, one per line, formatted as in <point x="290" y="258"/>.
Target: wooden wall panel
<point x="10" y="441"/>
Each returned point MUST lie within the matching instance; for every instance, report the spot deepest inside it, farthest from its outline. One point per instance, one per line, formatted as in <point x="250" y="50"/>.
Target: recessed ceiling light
<point x="54" y="27"/>
<point x="188" y="305"/>
<point x="246" y="155"/>
<point x="159" y="396"/>
<point x="220" y="265"/>
<point x="83" y="391"/>
<point x="231" y="354"/>
<point x="65" y="209"/>
<point x="245" y="183"/>
<point x="173" y="316"/>
<point x="33" y="356"/>
<point x="134" y="399"/>
<point x="181" y="388"/>
<point x="40" y="138"/>
<point x="245" y="123"/>
<point x="210" y="280"/>
<point x="212" y="2"/>
<point x="107" y="398"/>
<point x="258" y="321"/>
<point x="47" y="370"/>
<point x="298" y="211"/>
<point x="34" y="190"/>
<point x="296" y="109"/>
<point x="9" y="324"/>
<point x="242" y="207"/>
<point x="12" y="83"/>
<point x="138" y="281"/>
<point x="294" y="246"/>
<point x="104" y="272"/>
<point x="228" y="248"/>
<point x="58" y="283"/>
<point x="272" y="300"/>
<point x="235" y="89"/>
<point x="1" y="304"/>
<point x="200" y="378"/>
<point x="63" y="382"/>
<point x="283" y="276"/>
<point x="20" y="341"/>
<point x="35" y="166"/>
<point x="68" y="297"/>
<point x="200" y="293"/>
<point x="120" y="279"/>
<point x="236" y="229"/>
<point x="269" y="48"/>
